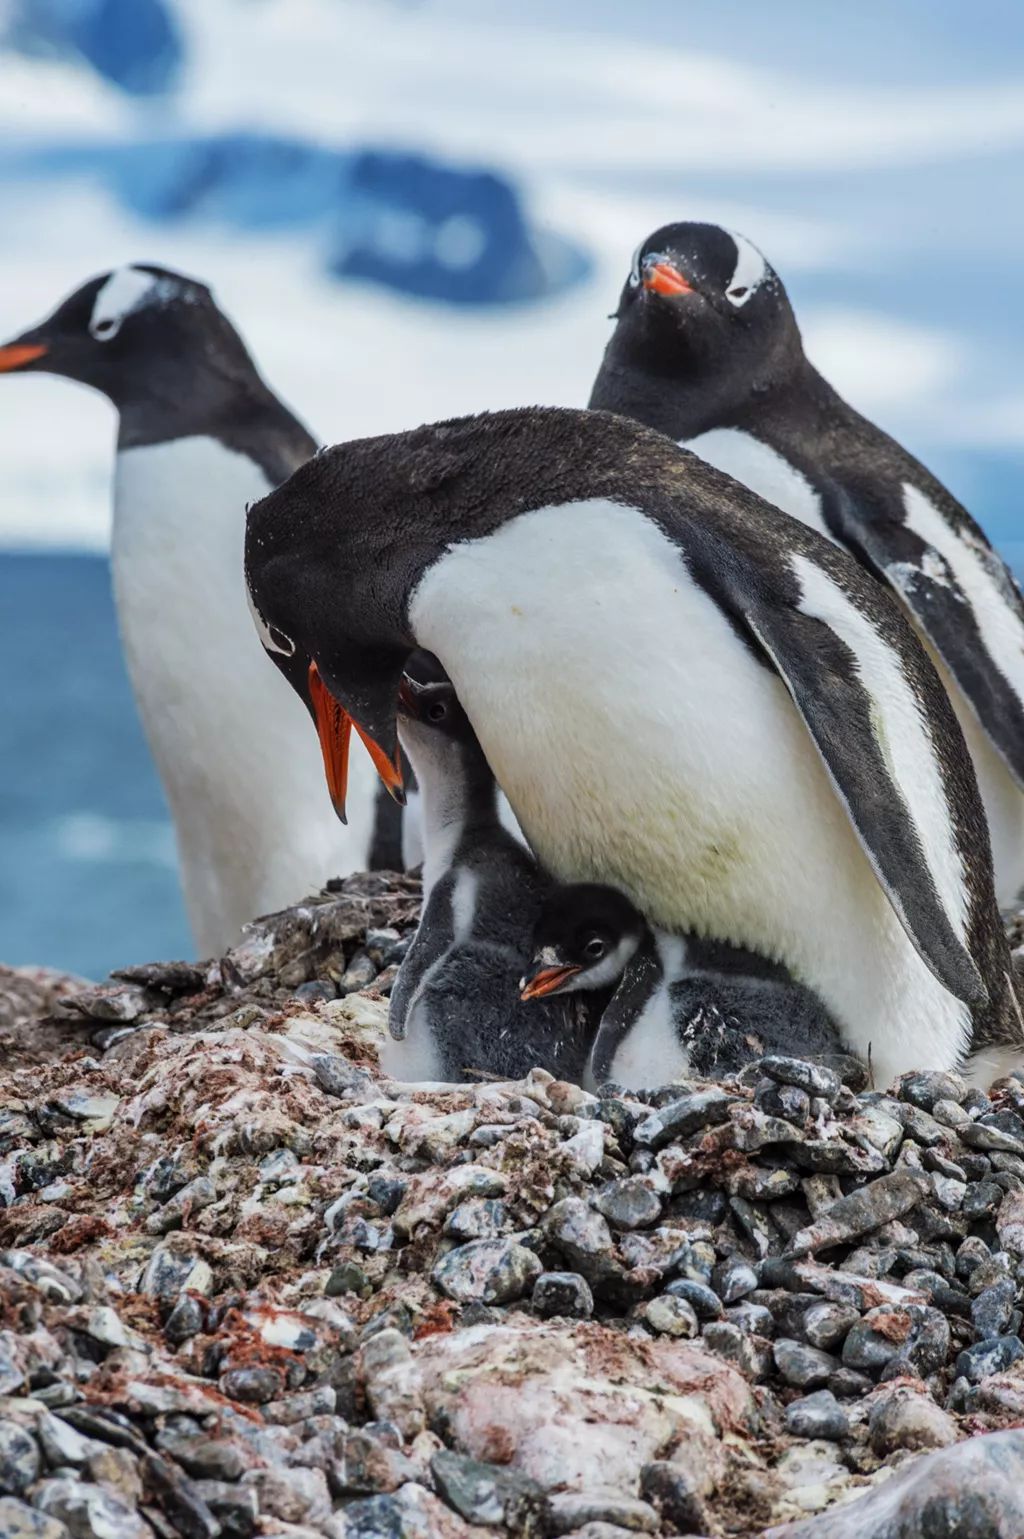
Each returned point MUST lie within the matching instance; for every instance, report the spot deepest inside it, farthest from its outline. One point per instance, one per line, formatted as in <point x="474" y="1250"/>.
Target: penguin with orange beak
<point x="682" y="693"/>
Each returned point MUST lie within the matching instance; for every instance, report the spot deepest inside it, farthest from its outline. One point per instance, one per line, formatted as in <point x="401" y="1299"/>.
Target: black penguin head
<point x="133" y="332"/>
<point x="702" y="301"/>
<point x="584" y="937"/>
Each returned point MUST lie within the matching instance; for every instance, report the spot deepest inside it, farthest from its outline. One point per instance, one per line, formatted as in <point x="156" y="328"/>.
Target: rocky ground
<point x="250" y="1286"/>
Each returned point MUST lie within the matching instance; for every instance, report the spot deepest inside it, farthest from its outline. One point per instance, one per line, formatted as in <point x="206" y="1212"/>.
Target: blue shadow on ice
<point x="450" y="233"/>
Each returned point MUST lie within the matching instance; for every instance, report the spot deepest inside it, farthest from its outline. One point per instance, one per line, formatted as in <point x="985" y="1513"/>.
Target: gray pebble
<point x="255" y="1386"/>
<point x="755" y="1319"/>
<point x="670" y="1315"/>
<point x="487" y="1272"/>
<point x="733" y="1279"/>
<point x="671" y="1490"/>
<point x="904" y="1419"/>
<point x="18" y="1521"/>
<point x="628" y="1204"/>
<point x="704" y="1300"/>
<point x="491" y="1494"/>
<point x="19" y="1458"/>
<point x="991" y="1310"/>
<point x="817" y="1415"/>
<point x="827" y="1325"/>
<point x="803" y="1366"/>
<point x="924" y="1087"/>
<point x="813" y="1078"/>
<point x="987" y="1357"/>
<point x="572" y="1510"/>
<point x="680" y="1118"/>
<point x="563" y="1293"/>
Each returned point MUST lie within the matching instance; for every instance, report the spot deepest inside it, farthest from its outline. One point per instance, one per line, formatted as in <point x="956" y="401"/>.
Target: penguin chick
<point x="455" y="1006"/>
<point x="681" y="1006"/>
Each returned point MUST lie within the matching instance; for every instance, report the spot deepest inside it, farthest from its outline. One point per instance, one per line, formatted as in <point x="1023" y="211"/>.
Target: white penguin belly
<point x="757" y="465"/>
<point x="234" y="747"/>
<point x="640" y="743"/>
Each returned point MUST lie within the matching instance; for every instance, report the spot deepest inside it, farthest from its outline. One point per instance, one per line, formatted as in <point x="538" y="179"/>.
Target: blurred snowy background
<point x="415" y="208"/>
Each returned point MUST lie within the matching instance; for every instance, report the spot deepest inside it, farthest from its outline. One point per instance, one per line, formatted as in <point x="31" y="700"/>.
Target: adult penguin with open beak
<point x="681" y="692"/>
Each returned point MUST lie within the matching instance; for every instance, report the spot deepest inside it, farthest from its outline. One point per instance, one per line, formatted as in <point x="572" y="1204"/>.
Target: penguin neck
<point x="695" y="398"/>
<point x="459" y="798"/>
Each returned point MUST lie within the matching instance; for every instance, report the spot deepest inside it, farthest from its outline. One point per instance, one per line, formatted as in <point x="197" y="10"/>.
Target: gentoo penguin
<point x="683" y="694"/>
<point x="682" y="1005"/>
<point x="201" y="436"/>
<point x="706" y="349"/>
<point x="455" y="1006"/>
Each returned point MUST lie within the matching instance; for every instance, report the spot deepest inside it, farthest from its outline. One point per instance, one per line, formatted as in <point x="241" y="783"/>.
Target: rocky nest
<point x="250" y="1286"/>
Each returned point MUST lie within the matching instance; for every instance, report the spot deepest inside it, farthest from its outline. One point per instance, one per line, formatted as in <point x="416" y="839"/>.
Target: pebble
<point x="670" y="1315"/>
<point x="992" y="1309"/>
<point x="491" y="1494"/>
<point x="902" y="1419"/>
<point x="924" y="1087"/>
<point x="18" y="1521"/>
<point x="680" y="1118"/>
<point x="988" y="1357"/>
<point x="862" y="1211"/>
<point x="90" y="1511"/>
<point x="563" y="1293"/>
<point x="572" y="1511"/>
<point x="672" y="1492"/>
<point x="803" y="1366"/>
<point x="487" y="1272"/>
<point x="734" y="1279"/>
<point x="255" y="1386"/>
<point x="704" y="1301"/>
<point x="628" y="1204"/>
<point x="19" y="1458"/>
<point x="813" y="1078"/>
<point x="817" y="1415"/>
<point x="827" y="1325"/>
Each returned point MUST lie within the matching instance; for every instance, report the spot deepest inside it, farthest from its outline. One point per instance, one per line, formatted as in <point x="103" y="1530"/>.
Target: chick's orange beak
<point x="546" y="981"/>
<point x="334" y="729"/>
<point x="17" y="354"/>
<point x="663" y="278"/>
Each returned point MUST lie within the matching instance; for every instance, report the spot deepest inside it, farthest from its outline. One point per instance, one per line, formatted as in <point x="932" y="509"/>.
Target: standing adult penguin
<point x="200" y="436"/>
<point x="682" y="693"/>
<point x="706" y="349"/>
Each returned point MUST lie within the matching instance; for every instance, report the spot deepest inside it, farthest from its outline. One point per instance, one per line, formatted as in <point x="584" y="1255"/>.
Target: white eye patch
<point x="748" y="274"/>
<point x="634" y="266"/>
<point x="273" y="640"/>
<point x="125" y="291"/>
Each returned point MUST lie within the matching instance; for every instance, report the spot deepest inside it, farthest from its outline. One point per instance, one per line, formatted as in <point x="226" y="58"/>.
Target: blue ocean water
<point x="87" y="877"/>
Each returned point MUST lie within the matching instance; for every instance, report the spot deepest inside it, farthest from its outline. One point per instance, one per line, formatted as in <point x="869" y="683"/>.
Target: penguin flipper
<point x="432" y="940"/>
<point x="642" y="975"/>
<point x="930" y="585"/>
<point x="850" y="715"/>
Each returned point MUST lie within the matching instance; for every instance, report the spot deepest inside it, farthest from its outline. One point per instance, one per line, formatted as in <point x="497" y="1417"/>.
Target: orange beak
<point x="334" y="729"/>
<point x="546" y="981"/>
<point x="16" y="354"/>
<point x="663" y="278"/>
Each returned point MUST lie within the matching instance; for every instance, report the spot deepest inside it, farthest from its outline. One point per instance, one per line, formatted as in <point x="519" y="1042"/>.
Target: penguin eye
<point x="104" y="329"/>
<point x="594" y="949"/>
<point x="737" y="294"/>
<point x="437" y="711"/>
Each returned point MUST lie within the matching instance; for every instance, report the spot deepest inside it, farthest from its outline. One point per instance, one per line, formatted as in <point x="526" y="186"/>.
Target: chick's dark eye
<point x="437" y="711"/>
<point x="594" y="949"/>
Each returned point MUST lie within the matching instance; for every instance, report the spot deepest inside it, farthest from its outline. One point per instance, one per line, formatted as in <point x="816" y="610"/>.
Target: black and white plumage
<point x="682" y="1005"/>
<point x="683" y="694"/>
<point x="706" y="349"/>
<point x="200" y="436"/>
<point x="455" y="1006"/>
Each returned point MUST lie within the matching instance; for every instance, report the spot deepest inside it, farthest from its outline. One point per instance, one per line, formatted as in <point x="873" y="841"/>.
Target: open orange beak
<point x="663" y="278"/>
<point x="334" y="729"/>
<point x="17" y="354"/>
<point x="546" y="981"/>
